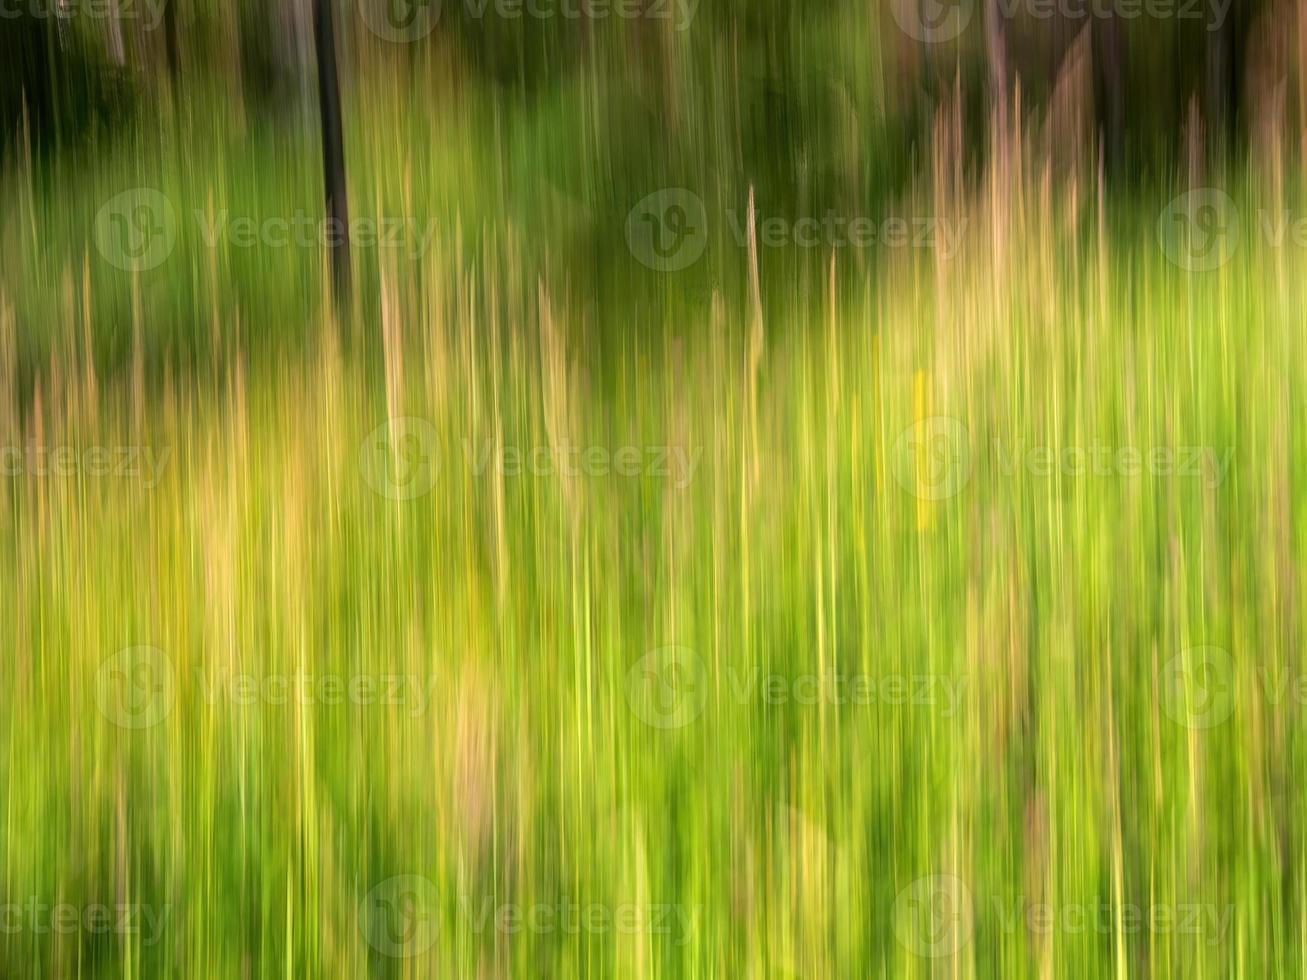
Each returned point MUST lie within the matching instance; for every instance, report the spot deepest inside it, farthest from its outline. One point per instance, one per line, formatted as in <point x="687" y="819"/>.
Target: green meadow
<point x="626" y="579"/>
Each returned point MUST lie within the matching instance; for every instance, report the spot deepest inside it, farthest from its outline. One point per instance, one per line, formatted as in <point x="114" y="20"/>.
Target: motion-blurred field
<point x="542" y="614"/>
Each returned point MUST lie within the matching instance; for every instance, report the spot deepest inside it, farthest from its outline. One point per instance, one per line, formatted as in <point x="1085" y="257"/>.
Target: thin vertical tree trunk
<point x="172" y="42"/>
<point x="996" y="49"/>
<point x="117" y="54"/>
<point x="1109" y="89"/>
<point x="1221" y="82"/>
<point x="333" y="147"/>
<point x="1001" y="131"/>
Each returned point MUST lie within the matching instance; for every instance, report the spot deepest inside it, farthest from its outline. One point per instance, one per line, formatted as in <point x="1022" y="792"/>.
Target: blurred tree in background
<point x="567" y="115"/>
<point x="791" y="68"/>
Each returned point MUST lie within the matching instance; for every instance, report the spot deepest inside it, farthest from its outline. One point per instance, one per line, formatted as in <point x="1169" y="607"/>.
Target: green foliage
<point x="1080" y="674"/>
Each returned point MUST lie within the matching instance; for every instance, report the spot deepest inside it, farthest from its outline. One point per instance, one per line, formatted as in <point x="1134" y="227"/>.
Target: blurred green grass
<point x="547" y="750"/>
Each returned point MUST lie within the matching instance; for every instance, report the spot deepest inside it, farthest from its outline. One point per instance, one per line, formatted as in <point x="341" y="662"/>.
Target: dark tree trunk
<point x="1109" y="89"/>
<point x="1223" y="56"/>
<point x="172" y="43"/>
<point x="172" y="49"/>
<point x="996" y="52"/>
<point x="333" y="147"/>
